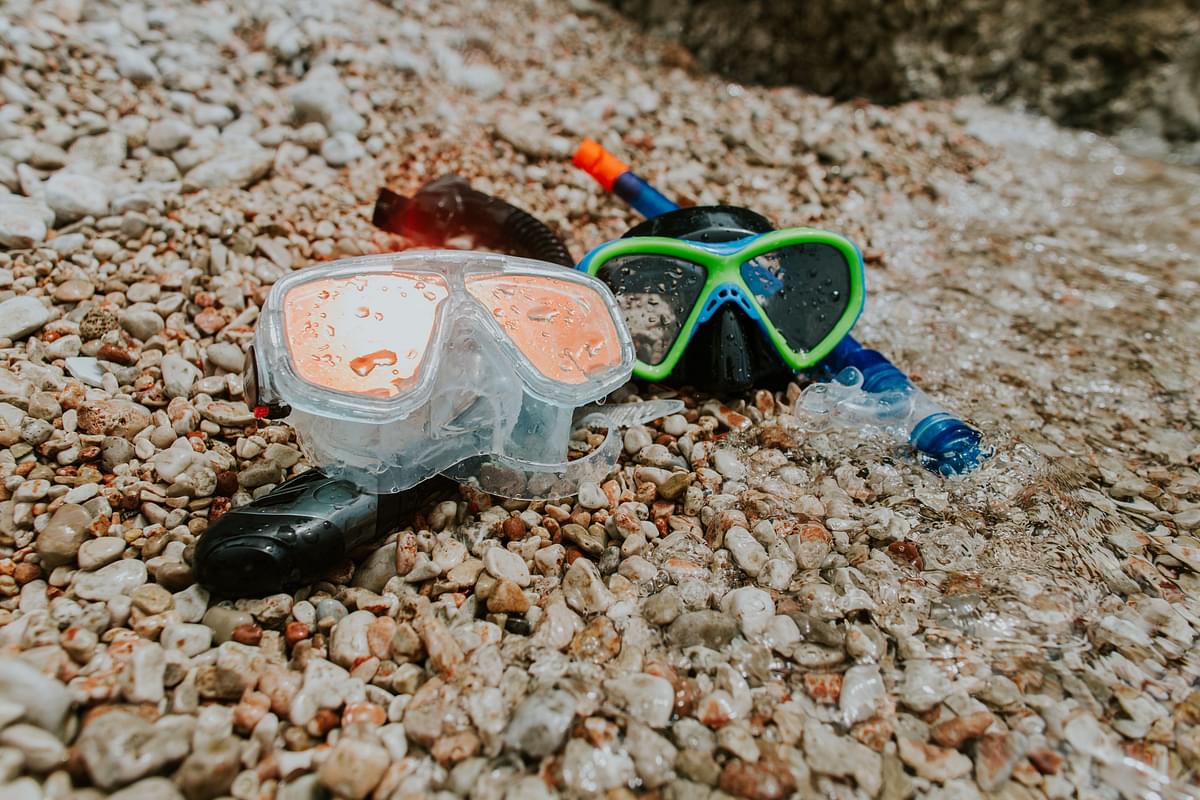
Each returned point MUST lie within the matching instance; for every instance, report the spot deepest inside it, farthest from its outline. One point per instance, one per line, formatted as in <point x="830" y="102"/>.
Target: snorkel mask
<point x="714" y="295"/>
<point x="394" y="368"/>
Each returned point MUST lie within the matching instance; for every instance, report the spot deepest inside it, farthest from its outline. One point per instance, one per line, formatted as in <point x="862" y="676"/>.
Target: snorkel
<point x="946" y="444"/>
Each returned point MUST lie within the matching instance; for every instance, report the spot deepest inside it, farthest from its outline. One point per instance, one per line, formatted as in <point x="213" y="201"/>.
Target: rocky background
<point x="756" y="604"/>
<point x="1107" y="66"/>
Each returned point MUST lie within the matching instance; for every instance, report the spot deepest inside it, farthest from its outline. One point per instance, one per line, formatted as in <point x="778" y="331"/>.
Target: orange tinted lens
<point x="563" y="328"/>
<point x="364" y="335"/>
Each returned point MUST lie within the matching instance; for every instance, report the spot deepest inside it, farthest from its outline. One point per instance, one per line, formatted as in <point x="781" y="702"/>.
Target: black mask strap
<point x="709" y="224"/>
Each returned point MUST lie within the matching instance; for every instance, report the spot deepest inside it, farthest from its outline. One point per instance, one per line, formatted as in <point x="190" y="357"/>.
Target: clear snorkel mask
<point x="396" y="367"/>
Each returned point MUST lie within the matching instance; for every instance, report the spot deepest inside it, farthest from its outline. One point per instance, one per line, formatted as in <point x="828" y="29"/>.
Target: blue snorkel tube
<point x="947" y="445"/>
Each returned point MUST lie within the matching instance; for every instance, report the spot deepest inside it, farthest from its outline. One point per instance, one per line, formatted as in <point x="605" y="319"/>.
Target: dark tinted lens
<point x="656" y="294"/>
<point x="804" y="289"/>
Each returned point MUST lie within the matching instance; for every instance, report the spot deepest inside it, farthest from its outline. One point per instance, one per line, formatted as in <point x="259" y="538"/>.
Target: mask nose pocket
<point x="725" y="294"/>
<point x="725" y="349"/>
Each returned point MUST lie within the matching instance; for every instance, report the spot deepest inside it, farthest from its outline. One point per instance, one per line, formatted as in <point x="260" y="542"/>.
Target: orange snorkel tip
<point x="592" y="158"/>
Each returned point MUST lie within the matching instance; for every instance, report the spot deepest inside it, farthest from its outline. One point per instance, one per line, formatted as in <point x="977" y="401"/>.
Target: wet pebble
<point x="60" y="540"/>
<point x="114" y="580"/>
<point x="20" y="316"/>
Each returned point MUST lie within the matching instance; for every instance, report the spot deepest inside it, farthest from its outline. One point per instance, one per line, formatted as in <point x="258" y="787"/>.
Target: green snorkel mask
<point x="715" y="295"/>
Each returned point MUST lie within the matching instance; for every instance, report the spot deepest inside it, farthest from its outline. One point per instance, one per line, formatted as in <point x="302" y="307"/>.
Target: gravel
<point x="754" y="604"/>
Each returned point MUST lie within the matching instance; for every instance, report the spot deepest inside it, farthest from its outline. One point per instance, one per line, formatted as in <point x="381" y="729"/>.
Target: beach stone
<point x="64" y="347"/>
<point x="97" y="322"/>
<point x="590" y="540"/>
<point x="179" y="375"/>
<point x="238" y="166"/>
<point x="60" y="540"/>
<point x="348" y="640"/>
<point x="729" y="465"/>
<point x="331" y="609"/>
<point x="31" y="491"/>
<point x="73" y="291"/>
<point x="752" y="607"/>
<point x="228" y="414"/>
<point x="540" y="723"/>
<point x="756" y="780"/>
<point x="322" y="97"/>
<point x="227" y="356"/>
<point x="354" y="768"/>
<point x="72" y="196"/>
<point x="586" y="769"/>
<point x="43" y="700"/>
<point x="106" y="149"/>
<point x="711" y="629"/>
<point x="42" y="750"/>
<point x="663" y="608"/>
<point x="24" y="223"/>
<point x="507" y="598"/>
<point x="141" y="321"/>
<point x="21" y="316"/>
<point x="116" y="579"/>
<point x="747" y="553"/>
<point x="224" y="621"/>
<point x="209" y="771"/>
<point x="584" y="590"/>
<point x="996" y="756"/>
<point x="591" y="496"/>
<point x="148" y="789"/>
<point x="21" y="789"/>
<point x="120" y="747"/>
<point x="863" y="693"/>
<point x="505" y="565"/>
<point x="115" y="450"/>
<point x="931" y="762"/>
<point x="341" y="148"/>
<point x="121" y="418"/>
<point x="830" y="754"/>
<point x="168" y="135"/>
<point x="169" y="464"/>
<point x="259" y="474"/>
<point x="135" y="65"/>
<point x="924" y="685"/>
<point x="647" y="698"/>
<point x="281" y="455"/>
<point x="380" y="567"/>
<point x="188" y="638"/>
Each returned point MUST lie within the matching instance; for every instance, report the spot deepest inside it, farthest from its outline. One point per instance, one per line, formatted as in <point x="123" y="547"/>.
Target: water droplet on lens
<point x="543" y="314"/>
<point x="363" y="365"/>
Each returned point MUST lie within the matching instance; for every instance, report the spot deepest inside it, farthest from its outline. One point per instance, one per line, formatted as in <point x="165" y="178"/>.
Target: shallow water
<point x="1053" y="299"/>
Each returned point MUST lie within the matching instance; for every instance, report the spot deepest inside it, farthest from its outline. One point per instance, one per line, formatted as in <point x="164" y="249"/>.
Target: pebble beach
<point x="759" y="603"/>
